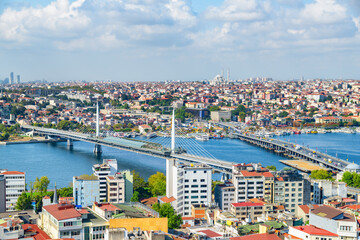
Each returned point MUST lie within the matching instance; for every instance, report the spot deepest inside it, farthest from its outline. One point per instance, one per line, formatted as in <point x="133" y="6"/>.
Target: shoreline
<point x="32" y="141"/>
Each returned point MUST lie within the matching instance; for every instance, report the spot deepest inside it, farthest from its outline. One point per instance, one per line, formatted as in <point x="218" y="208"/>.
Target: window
<point x="203" y="185"/>
<point x="194" y="191"/>
<point x="194" y="186"/>
<point x="194" y="180"/>
<point x="194" y="196"/>
<point x="202" y="180"/>
<point x="194" y="171"/>
<point x="202" y="196"/>
<point x="186" y="180"/>
<point x="293" y="184"/>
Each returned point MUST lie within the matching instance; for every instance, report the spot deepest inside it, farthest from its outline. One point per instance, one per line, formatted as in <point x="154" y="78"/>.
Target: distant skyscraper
<point x="6" y="81"/>
<point x="12" y="78"/>
<point x="18" y="79"/>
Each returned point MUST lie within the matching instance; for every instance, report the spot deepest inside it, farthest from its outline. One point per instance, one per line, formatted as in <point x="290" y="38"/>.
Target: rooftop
<point x="61" y="212"/>
<point x="312" y="230"/>
<point x="87" y="177"/>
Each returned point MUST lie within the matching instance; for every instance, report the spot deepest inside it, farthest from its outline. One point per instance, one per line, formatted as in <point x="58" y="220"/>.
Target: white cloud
<point x="323" y="12"/>
<point x="238" y="10"/>
<point x="57" y="19"/>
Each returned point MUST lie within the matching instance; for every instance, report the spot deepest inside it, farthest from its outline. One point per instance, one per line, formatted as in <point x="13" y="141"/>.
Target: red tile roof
<point x="247" y="204"/>
<point x="210" y="234"/>
<point x="312" y="230"/>
<point x="62" y="212"/>
<point x="107" y="206"/>
<point x="262" y="236"/>
<point x="167" y="200"/>
<point x="306" y="208"/>
<point x="33" y="228"/>
<point x="12" y="173"/>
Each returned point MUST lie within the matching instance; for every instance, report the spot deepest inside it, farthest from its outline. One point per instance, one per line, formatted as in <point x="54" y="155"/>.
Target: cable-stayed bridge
<point x="176" y="144"/>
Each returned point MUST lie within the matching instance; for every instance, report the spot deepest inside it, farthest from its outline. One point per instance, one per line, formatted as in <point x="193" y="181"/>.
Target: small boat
<point x="202" y="137"/>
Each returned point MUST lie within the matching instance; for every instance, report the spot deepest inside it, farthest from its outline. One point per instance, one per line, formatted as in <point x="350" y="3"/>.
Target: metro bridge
<point x="184" y="149"/>
<point x="290" y="149"/>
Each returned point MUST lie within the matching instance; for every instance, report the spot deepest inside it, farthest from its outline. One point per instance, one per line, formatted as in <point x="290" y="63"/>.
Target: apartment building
<point x="86" y="190"/>
<point x="335" y="221"/>
<point x="290" y="189"/>
<point x="188" y="184"/>
<point x="2" y="193"/>
<point x="323" y="189"/>
<point x="251" y="181"/>
<point x="116" y="188"/>
<point x="61" y="221"/>
<point x="225" y="195"/>
<point x="14" y="186"/>
<point x="107" y="168"/>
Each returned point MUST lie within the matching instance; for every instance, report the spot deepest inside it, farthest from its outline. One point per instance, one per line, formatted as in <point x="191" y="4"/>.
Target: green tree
<point x="242" y="116"/>
<point x="157" y="184"/>
<point x="135" y="197"/>
<point x="23" y="202"/>
<point x="65" y="192"/>
<point x="64" y="125"/>
<point x="166" y="210"/>
<point x="138" y="181"/>
<point x="214" y="108"/>
<point x="272" y="168"/>
<point x="321" y="174"/>
<point x="40" y="185"/>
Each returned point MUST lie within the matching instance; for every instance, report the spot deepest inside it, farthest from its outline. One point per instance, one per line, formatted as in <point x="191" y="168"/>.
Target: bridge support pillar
<point x="97" y="149"/>
<point x="69" y="142"/>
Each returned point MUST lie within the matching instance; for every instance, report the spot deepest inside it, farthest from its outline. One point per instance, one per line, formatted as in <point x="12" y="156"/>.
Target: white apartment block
<point x="107" y="168"/>
<point x="250" y="181"/>
<point x="15" y="185"/>
<point x="188" y="184"/>
<point x="116" y="188"/>
<point x="225" y="195"/>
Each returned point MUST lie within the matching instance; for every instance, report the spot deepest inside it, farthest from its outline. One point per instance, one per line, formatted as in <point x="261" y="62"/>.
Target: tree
<point x="65" y="192"/>
<point x="64" y="125"/>
<point x="242" y="116"/>
<point x="157" y="184"/>
<point x="135" y="197"/>
<point x="214" y="108"/>
<point x="40" y="185"/>
<point x="321" y="174"/>
<point x="272" y="168"/>
<point x="166" y="210"/>
<point x="138" y="181"/>
<point x="23" y="202"/>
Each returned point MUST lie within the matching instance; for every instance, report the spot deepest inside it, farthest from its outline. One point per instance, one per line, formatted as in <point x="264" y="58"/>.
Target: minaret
<point x="55" y="198"/>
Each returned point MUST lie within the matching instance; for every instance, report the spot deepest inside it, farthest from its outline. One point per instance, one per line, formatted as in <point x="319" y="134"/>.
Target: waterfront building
<point x="86" y="190"/>
<point x="335" y="221"/>
<point x="188" y="184"/>
<point x="225" y="195"/>
<point x="107" y="168"/>
<point x="15" y="185"/>
<point x="61" y="221"/>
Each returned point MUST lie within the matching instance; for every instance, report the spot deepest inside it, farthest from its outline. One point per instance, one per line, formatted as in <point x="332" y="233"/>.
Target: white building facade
<point x="15" y="185"/>
<point x="188" y="184"/>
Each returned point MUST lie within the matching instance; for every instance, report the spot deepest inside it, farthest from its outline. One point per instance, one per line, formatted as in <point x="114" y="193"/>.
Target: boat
<point x="297" y="132"/>
<point x="202" y="137"/>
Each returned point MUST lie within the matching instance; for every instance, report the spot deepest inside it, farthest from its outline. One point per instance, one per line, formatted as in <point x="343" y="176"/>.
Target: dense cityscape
<point x="180" y="119"/>
<point x="314" y="197"/>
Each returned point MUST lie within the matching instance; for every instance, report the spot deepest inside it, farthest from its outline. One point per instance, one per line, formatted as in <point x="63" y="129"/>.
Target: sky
<point x="157" y="40"/>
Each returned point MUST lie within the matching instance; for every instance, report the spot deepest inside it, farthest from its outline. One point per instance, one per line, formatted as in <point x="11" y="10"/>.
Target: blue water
<point x="60" y="164"/>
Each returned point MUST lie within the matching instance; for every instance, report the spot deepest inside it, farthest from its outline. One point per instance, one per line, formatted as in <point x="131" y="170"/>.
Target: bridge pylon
<point x="97" y="149"/>
<point x="173" y="132"/>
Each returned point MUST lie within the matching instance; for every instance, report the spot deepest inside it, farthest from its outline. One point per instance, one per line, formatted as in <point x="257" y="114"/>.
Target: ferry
<point x="202" y="137"/>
